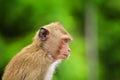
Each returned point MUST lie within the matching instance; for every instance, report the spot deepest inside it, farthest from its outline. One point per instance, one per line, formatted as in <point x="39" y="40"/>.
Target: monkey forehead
<point x="57" y="27"/>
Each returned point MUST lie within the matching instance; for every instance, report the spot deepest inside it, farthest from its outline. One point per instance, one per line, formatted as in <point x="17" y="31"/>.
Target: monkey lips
<point x="66" y="55"/>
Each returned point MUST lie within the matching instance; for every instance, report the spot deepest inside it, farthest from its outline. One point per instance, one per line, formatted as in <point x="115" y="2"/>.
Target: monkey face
<point x="64" y="50"/>
<point x="55" y="39"/>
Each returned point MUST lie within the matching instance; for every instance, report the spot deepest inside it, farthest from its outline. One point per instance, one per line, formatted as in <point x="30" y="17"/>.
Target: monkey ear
<point x="43" y="34"/>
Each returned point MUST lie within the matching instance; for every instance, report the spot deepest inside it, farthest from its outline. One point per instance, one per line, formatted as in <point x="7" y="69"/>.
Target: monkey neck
<point x="47" y="55"/>
<point x="49" y="50"/>
<point x="43" y="64"/>
<point x="48" y="65"/>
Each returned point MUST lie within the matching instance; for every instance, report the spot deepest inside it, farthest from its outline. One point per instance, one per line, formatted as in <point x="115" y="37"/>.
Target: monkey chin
<point x="64" y="56"/>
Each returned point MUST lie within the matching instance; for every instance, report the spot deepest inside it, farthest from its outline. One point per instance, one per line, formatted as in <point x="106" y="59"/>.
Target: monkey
<point x="38" y="60"/>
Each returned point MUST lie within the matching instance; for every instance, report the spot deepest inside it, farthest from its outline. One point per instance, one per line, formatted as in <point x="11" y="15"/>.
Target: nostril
<point x="68" y="50"/>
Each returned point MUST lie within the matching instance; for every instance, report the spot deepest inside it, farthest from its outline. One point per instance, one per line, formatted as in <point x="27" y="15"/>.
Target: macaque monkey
<point x="38" y="60"/>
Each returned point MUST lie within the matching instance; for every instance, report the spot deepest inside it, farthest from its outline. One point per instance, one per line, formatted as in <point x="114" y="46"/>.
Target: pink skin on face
<point x="64" y="51"/>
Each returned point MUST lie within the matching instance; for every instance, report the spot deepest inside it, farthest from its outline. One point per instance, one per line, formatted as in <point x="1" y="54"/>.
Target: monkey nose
<point x="68" y="50"/>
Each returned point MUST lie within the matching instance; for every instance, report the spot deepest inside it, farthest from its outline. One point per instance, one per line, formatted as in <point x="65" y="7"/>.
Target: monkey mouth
<point x="66" y="55"/>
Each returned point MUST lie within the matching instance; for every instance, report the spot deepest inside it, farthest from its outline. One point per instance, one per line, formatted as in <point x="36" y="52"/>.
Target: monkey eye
<point x="66" y="40"/>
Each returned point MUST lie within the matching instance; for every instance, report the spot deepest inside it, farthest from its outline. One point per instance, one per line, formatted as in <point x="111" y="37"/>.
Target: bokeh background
<point x="94" y="25"/>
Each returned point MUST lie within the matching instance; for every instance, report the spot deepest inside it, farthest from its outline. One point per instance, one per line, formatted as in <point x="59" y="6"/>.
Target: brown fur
<point x="33" y="62"/>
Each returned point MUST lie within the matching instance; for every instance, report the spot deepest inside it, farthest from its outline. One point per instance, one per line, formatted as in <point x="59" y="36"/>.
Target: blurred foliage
<point x="20" y="19"/>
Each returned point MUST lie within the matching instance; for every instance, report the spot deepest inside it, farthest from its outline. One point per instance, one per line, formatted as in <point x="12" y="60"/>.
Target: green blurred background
<point x="94" y="25"/>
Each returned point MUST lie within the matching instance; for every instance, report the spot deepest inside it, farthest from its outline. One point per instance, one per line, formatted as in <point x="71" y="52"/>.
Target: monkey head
<point x="54" y="41"/>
